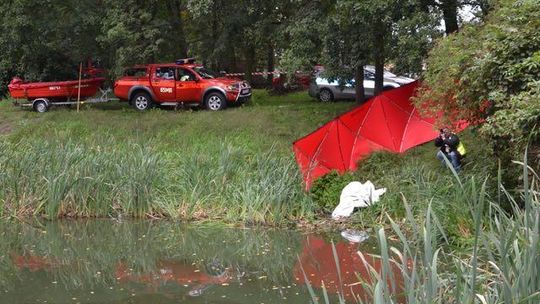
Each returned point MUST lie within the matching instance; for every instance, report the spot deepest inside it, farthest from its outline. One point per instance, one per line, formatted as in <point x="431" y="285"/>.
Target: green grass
<point x="502" y="265"/>
<point x="109" y="160"/>
<point x="235" y="166"/>
<point x="418" y="177"/>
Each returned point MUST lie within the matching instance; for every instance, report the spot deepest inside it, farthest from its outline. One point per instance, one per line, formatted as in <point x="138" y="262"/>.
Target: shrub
<point x="326" y="190"/>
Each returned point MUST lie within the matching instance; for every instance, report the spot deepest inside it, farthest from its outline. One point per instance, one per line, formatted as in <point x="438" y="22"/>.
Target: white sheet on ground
<point x="354" y="195"/>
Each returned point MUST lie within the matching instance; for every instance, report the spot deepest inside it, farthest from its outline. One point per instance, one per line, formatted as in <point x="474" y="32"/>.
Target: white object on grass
<point x="356" y="195"/>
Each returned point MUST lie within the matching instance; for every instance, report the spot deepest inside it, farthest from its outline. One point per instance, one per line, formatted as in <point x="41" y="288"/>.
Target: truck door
<point x="188" y="86"/>
<point x="164" y="84"/>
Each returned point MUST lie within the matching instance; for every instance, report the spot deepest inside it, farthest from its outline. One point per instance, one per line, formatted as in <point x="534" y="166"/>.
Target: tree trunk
<point x="379" y="58"/>
<point x="270" y="65"/>
<point x="485" y="7"/>
<point x="250" y="62"/>
<point x="450" y="15"/>
<point x="359" y="82"/>
<point x="215" y="29"/>
<point x="175" y="9"/>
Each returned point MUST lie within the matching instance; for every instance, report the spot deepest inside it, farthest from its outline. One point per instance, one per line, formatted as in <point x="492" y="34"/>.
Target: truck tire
<point x="215" y="101"/>
<point x="142" y="101"/>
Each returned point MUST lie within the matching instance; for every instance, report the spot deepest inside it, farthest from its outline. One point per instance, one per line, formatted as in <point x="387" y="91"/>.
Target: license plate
<point x="245" y="91"/>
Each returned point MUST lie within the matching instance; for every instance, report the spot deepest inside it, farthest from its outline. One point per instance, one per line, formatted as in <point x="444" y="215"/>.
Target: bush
<point x="326" y="190"/>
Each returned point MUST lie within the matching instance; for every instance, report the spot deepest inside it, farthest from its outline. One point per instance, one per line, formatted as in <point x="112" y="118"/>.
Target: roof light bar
<point x="185" y="61"/>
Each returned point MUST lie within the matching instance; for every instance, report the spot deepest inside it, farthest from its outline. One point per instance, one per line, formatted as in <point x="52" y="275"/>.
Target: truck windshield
<point x="206" y="73"/>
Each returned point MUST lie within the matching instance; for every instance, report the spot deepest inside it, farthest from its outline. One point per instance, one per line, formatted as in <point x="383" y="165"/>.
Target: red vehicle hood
<point x="223" y="81"/>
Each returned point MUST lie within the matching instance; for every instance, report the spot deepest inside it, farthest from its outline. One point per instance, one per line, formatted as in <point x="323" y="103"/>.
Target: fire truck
<point x="182" y="83"/>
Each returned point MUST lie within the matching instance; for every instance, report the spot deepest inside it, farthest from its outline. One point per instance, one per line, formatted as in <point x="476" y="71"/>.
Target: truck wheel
<point x="215" y="101"/>
<point x="142" y="101"/>
<point x="40" y="106"/>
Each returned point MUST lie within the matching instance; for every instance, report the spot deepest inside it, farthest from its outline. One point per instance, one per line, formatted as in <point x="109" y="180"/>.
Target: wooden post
<point x="79" y="91"/>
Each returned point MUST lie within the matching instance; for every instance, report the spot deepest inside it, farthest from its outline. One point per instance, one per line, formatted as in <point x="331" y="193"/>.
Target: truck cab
<point x="182" y="83"/>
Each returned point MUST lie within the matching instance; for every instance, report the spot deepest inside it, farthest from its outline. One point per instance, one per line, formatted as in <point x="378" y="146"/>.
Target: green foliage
<point x="418" y="177"/>
<point x="346" y="35"/>
<point x="326" y="190"/>
<point x="133" y="31"/>
<point x="491" y="70"/>
<point x="34" y="45"/>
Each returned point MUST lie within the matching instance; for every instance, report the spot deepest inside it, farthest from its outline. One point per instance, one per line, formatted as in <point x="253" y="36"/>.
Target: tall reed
<point x="502" y="265"/>
<point x="221" y="181"/>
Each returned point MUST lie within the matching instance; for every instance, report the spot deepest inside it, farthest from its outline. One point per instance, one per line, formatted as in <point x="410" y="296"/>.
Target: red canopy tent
<point x="388" y="122"/>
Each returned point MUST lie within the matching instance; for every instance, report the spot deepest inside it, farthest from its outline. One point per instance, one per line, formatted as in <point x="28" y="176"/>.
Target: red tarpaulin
<point x="387" y="122"/>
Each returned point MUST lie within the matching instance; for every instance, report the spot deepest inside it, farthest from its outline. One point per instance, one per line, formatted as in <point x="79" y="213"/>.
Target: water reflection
<point x="183" y="274"/>
<point x="164" y="262"/>
<point x="317" y="265"/>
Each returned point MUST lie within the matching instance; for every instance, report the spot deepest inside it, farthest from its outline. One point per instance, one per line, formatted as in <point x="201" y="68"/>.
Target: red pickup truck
<point x="181" y="83"/>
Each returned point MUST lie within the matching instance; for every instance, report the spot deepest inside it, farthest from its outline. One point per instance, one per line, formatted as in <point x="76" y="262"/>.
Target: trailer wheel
<point x="215" y="101"/>
<point x="142" y="101"/>
<point x="40" y="106"/>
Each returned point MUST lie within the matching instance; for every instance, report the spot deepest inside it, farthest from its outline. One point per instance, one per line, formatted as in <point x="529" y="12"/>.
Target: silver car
<point x="326" y="90"/>
<point x="370" y="69"/>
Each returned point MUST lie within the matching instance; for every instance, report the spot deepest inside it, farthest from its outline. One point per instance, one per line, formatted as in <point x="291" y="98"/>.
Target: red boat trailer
<point x="41" y="96"/>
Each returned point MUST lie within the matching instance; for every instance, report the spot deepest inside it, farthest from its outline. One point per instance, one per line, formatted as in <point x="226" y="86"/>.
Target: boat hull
<point x="60" y="90"/>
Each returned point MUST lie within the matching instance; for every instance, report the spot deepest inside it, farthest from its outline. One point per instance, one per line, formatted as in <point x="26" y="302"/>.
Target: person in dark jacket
<point x="448" y="143"/>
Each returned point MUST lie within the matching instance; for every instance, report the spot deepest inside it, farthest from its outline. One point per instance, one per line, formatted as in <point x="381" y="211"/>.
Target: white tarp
<point x="356" y="195"/>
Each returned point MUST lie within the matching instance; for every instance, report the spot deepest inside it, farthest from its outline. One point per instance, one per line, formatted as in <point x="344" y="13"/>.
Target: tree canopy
<point x="491" y="72"/>
<point x="487" y="69"/>
<point x="47" y="40"/>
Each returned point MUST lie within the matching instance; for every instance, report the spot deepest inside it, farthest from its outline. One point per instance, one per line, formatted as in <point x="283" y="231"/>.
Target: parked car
<point x="300" y="81"/>
<point x="181" y="83"/>
<point x="326" y="90"/>
<point x="389" y="75"/>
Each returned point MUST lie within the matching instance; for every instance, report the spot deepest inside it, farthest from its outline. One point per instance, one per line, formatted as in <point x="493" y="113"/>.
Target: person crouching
<point x="448" y="143"/>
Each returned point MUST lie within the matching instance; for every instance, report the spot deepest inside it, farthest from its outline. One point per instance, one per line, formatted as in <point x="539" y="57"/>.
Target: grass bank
<point x="236" y="165"/>
<point x="501" y="265"/>
<point x="109" y="160"/>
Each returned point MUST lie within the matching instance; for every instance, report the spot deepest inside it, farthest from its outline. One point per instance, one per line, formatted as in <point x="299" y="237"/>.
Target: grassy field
<point x="236" y="165"/>
<point x="109" y="160"/>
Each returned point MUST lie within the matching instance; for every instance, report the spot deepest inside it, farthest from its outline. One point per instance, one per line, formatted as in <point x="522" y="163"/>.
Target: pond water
<point x="102" y="261"/>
